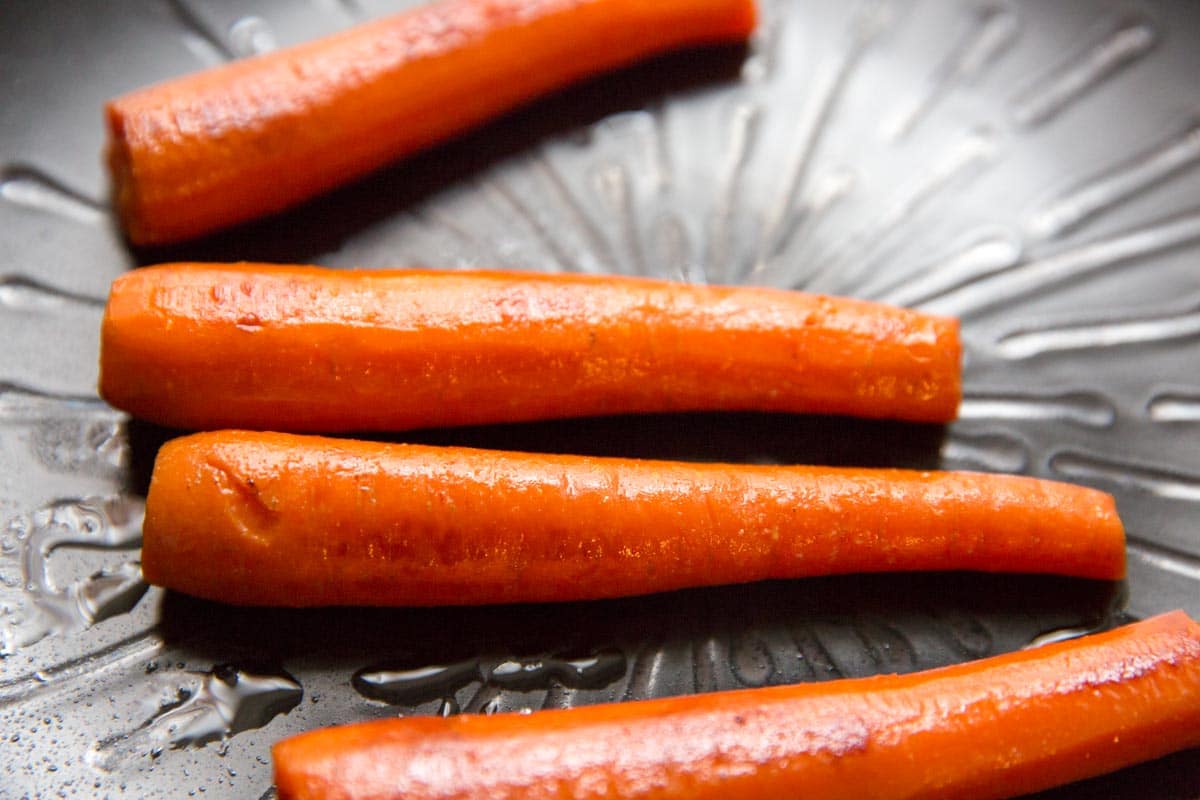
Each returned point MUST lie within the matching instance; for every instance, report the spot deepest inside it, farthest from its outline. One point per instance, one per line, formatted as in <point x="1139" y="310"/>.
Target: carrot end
<point x="119" y="157"/>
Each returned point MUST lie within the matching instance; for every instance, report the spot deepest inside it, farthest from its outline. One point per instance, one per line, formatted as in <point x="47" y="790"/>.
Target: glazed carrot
<point x="995" y="728"/>
<point x="322" y="350"/>
<point x="280" y="519"/>
<point x="253" y="137"/>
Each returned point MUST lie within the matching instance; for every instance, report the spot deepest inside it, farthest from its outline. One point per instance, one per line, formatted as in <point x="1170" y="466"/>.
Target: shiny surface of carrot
<point x="280" y="519"/>
<point x="996" y="728"/>
<point x="222" y="146"/>
<point x="324" y="350"/>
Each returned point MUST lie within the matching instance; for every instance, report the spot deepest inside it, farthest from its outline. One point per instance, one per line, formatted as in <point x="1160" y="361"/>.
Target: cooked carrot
<point x="322" y="350"/>
<point x="253" y="137"/>
<point x="995" y="728"/>
<point x="280" y="519"/>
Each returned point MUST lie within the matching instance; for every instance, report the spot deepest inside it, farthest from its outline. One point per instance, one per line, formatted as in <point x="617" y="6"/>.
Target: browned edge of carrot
<point x="280" y="519"/>
<point x="995" y="728"/>
<point x="222" y="146"/>
<point x="206" y="346"/>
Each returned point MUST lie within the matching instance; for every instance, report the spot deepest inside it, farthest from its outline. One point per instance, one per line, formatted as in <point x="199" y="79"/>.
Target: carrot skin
<point x="211" y="149"/>
<point x="286" y="520"/>
<point x="323" y="350"/>
<point x="995" y="728"/>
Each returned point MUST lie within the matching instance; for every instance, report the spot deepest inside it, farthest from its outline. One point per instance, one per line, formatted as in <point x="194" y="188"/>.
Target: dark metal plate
<point x="1028" y="166"/>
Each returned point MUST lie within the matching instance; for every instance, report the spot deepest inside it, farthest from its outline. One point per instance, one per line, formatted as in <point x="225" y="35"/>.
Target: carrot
<point x="287" y="520"/>
<point x="995" y="728"/>
<point x="253" y="137"/>
<point x="322" y="350"/>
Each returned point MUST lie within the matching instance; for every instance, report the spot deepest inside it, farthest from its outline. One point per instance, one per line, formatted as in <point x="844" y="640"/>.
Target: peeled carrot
<point x="995" y="728"/>
<point x="253" y="137"/>
<point x="279" y="519"/>
<point x="322" y="350"/>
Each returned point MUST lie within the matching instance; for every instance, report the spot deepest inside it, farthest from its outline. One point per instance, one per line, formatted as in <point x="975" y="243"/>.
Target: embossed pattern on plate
<point x="1029" y="166"/>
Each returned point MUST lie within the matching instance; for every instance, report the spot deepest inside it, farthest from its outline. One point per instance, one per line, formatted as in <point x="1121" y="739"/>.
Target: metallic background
<point x="1028" y="166"/>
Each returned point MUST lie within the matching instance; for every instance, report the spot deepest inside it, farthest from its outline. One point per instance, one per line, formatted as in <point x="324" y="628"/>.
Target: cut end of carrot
<point x="120" y="166"/>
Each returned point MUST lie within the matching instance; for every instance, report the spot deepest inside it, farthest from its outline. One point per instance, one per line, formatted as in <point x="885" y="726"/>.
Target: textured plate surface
<point x="1029" y="166"/>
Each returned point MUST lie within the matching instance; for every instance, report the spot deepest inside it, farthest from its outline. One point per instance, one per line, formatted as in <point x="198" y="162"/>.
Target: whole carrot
<point x="995" y="728"/>
<point x="253" y="137"/>
<point x="322" y="350"/>
<point x="279" y="519"/>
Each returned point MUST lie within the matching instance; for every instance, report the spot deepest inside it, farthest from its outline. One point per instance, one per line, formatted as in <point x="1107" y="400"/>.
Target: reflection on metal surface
<point x="646" y="672"/>
<point x="1175" y="407"/>
<point x="786" y="168"/>
<point x="1118" y="332"/>
<point x="201" y="41"/>
<point x="965" y="634"/>
<point x="351" y="9"/>
<point x="1080" y="408"/>
<point x="985" y="255"/>
<point x="673" y="249"/>
<point x="29" y="187"/>
<point x="1051" y="94"/>
<point x="991" y="32"/>
<point x="849" y="259"/>
<point x="787" y="214"/>
<point x="251" y="35"/>
<point x="1186" y="565"/>
<point x="1161" y="481"/>
<point x="54" y="679"/>
<point x="745" y="122"/>
<point x="1059" y="635"/>
<point x="22" y="292"/>
<point x="1073" y="264"/>
<point x="1116" y="184"/>
<point x="560" y="258"/>
<point x="434" y="217"/>
<point x="594" y="241"/>
<point x="992" y="452"/>
<point x="612" y="184"/>
<point x="26" y="296"/>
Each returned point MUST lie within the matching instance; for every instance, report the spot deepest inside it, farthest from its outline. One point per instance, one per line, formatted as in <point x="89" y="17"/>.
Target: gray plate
<point x="1028" y="166"/>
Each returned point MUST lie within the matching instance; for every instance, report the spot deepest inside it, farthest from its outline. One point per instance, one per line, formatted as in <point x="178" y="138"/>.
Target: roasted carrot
<point x="322" y="350"/>
<point x="208" y="150"/>
<point x="287" y="520"/>
<point x="995" y="728"/>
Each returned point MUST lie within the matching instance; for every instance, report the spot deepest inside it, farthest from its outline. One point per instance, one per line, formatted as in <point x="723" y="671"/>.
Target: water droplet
<point x="412" y="686"/>
<point x="1124" y="43"/>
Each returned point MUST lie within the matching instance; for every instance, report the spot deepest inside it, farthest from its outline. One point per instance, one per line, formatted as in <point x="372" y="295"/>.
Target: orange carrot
<point x="995" y="728"/>
<point x="321" y="350"/>
<point x="253" y="137"/>
<point x="287" y="520"/>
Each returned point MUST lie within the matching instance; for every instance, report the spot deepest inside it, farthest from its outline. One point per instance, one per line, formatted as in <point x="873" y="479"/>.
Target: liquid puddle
<point x="413" y="685"/>
<point x="204" y="707"/>
<point x="38" y="606"/>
